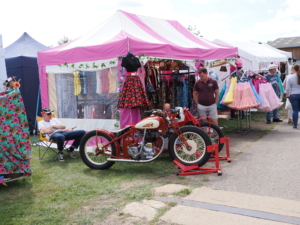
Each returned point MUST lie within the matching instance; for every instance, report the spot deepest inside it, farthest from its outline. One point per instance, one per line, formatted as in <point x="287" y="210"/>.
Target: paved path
<point x="269" y="167"/>
<point x="264" y="178"/>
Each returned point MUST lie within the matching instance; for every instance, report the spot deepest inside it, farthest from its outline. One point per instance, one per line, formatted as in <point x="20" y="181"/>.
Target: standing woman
<point x="293" y="92"/>
<point x="288" y="104"/>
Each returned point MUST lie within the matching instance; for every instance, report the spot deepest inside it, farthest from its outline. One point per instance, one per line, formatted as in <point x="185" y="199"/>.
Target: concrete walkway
<point x="270" y="167"/>
<point x="263" y="180"/>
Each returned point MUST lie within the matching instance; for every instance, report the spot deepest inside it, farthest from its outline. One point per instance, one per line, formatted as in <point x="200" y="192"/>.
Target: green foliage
<point x="194" y="30"/>
<point x="172" y="204"/>
<point x="64" y="40"/>
<point x="182" y="193"/>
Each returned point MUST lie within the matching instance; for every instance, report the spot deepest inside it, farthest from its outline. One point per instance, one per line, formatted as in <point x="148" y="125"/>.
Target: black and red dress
<point x="132" y="94"/>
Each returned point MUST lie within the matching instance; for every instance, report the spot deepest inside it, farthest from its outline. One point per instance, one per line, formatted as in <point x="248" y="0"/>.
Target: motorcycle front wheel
<point x="88" y="146"/>
<point x="197" y="139"/>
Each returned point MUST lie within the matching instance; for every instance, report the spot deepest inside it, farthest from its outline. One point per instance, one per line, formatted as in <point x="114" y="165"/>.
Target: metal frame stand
<point x="6" y="180"/>
<point x="223" y="140"/>
<point x="247" y="128"/>
<point x="195" y="169"/>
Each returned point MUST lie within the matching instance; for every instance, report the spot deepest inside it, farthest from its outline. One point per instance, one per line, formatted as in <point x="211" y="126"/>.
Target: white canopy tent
<point x="288" y="54"/>
<point x="3" y="75"/>
<point x="254" y="55"/>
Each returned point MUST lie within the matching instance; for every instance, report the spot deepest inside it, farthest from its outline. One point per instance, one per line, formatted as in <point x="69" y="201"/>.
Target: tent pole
<point x="36" y="114"/>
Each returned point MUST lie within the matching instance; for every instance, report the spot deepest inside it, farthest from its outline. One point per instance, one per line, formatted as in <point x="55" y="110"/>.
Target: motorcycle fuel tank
<point x="149" y="123"/>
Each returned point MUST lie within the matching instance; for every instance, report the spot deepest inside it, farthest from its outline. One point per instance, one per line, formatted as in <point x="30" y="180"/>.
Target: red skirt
<point x="133" y="94"/>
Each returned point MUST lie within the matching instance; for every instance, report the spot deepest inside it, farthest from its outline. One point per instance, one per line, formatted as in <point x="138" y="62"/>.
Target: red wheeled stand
<point x="195" y="169"/>
<point x="223" y="140"/>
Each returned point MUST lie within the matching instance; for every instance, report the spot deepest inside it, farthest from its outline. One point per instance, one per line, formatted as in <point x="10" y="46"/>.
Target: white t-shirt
<point x="53" y="121"/>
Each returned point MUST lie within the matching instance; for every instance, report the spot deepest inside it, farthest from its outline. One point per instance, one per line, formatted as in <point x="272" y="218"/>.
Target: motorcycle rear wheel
<point x="197" y="139"/>
<point x="88" y="147"/>
<point x="214" y="134"/>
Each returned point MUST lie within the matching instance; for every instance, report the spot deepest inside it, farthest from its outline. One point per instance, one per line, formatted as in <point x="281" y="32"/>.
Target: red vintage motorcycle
<point x="145" y="141"/>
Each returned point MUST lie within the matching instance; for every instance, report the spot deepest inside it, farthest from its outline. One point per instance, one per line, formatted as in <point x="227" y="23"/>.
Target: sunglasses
<point x="50" y="113"/>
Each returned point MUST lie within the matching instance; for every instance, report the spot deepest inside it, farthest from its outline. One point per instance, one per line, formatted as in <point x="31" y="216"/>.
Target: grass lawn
<point x="71" y="193"/>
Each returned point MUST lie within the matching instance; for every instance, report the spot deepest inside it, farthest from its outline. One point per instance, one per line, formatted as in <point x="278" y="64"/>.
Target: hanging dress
<point x="270" y="101"/>
<point x="230" y="95"/>
<point x="243" y="97"/>
<point x="133" y="94"/>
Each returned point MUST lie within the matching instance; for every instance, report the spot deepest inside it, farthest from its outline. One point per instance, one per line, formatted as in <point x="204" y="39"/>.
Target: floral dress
<point x="15" y="149"/>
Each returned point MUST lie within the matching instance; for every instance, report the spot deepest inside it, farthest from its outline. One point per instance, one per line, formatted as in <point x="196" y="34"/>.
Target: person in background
<point x="213" y="75"/>
<point x="206" y="95"/>
<point x="293" y="92"/>
<point x="167" y="107"/>
<point x="273" y="79"/>
<point x="54" y="131"/>
<point x="288" y="105"/>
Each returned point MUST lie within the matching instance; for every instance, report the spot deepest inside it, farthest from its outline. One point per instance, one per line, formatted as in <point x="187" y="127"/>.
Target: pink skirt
<point x="244" y="97"/>
<point x="269" y="97"/>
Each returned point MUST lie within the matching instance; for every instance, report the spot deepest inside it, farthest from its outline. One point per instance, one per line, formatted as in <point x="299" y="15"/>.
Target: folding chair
<point x="47" y="145"/>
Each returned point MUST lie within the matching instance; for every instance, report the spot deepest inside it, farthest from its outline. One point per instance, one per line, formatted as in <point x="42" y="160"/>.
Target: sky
<point x="49" y="21"/>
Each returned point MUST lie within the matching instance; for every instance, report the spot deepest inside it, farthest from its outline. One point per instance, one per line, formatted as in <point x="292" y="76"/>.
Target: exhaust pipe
<point x="140" y="161"/>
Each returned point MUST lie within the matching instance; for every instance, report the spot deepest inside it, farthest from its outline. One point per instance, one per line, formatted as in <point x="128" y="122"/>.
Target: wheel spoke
<point x="198" y="148"/>
<point x="91" y="147"/>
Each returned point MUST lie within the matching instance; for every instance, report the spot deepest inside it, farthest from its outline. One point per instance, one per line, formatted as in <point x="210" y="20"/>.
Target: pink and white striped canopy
<point x="139" y="34"/>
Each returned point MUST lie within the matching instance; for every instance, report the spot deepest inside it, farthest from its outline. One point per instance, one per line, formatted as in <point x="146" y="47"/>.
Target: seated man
<point x="54" y="131"/>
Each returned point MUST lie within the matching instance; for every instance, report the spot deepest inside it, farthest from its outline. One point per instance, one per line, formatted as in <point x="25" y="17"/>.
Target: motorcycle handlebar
<point x="150" y="111"/>
<point x="175" y="110"/>
<point x="158" y="110"/>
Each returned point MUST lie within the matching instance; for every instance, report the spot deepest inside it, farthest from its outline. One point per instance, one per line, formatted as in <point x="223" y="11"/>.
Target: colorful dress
<point x="133" y="94"/>
<point x="15" y="149"/>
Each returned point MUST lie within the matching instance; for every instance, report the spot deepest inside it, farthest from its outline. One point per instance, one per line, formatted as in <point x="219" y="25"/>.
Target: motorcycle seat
<point x="119" y="132"/>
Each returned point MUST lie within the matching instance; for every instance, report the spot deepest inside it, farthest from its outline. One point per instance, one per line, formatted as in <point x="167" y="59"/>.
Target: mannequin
<point x="133" y="94"/>
<point x="131" y="63"/>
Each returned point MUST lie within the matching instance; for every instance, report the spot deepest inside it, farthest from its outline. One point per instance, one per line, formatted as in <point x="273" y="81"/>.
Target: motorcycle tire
<point x="216" y="132"/>
<point x="199" y="152"/>
<point x="87" y="151"/>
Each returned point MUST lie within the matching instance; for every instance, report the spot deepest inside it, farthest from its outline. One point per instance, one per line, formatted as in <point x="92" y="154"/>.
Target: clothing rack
<point x="247" y="128"/>
<point x="180" y="72"/>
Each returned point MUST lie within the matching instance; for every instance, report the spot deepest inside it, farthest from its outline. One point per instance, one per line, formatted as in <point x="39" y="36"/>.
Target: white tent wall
<point x="221" y="74"/>
<point x="254" y="54"/>
<point x="288" y="54"/>
<point x="3" y="75"/>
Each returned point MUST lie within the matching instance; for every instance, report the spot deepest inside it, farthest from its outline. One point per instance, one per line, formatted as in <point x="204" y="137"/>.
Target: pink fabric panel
<point x="139" y="47"/>
<point x="80" y="54"/>
<point x="43" y="86"/>
<point x="129" y="116"/>
<point x="104" y="81"/>
<point x="142" y="73"/>
<point x="192" y="37"/>
<point x="135" y="115"/>
<point x="134" y="18"/>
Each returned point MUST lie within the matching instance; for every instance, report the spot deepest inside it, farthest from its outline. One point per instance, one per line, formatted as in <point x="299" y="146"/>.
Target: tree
<point x="268" y="42"/>
<point x="194" y="30"/>
<point x="64" y="40"/>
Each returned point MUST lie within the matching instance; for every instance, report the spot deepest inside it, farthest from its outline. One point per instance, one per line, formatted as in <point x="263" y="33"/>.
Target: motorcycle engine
<point x="148" y="150"/>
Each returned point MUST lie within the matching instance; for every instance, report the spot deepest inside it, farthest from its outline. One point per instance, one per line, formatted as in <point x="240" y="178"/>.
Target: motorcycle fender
<point x="109" y="134"/>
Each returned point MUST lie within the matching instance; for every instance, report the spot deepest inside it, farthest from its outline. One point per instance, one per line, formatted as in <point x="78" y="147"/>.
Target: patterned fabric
<point x="91" y="83"/>
<point x="132" y="94"/>
<point x="174" y="92"/>
<point x="66" y="100"/>
<point x="15" y="149"/>
<point x="52" y="92"/>
<point x="183" y="93"/>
